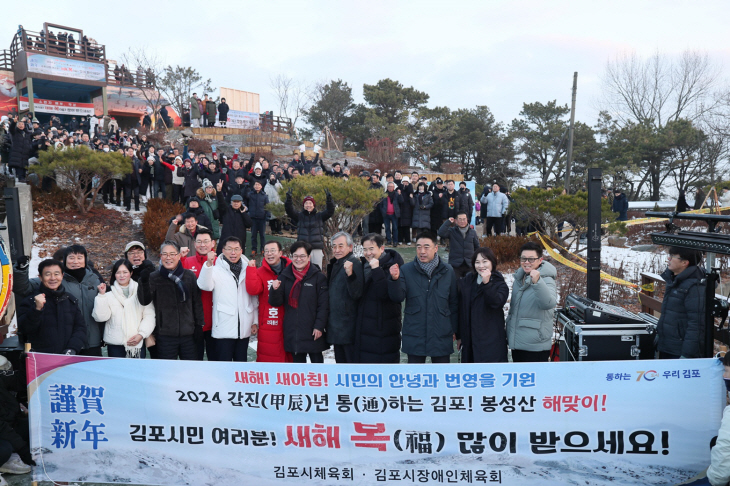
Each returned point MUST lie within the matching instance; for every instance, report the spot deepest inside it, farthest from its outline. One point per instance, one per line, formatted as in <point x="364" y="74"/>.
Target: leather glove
<point x="23" y="262"/>
<point x="144" y="275"/>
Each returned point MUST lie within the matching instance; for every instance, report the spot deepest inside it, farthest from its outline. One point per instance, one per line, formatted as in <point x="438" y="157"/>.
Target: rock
<point x="644" y="247"/>
<point x="279" y="152"/>
<point x="233" y="138"/>
<point x="187" y="133"/>
<point x="334" y="154"/>
<point x="617" y="241"/>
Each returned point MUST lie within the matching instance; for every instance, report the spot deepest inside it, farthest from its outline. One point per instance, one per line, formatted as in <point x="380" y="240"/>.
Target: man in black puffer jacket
<point x="235" y="219"/>
<point x="377" y="332"/>
<point x="681" y="328"/>
<point x="257" y="201"/>
<point x="21" y="138"/>
<point x="178" y="305"/>
<point x="50" y="319"/>
<point x="463" y="242"/>
<point x="310" y="223"/>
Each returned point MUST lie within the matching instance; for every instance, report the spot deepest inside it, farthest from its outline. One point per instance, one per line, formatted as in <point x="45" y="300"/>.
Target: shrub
<point x="157" y="219"/>
<point x="55" y="201"/>
<point x="506" y="248"/>
<point x="83" y="171"/>
<point x="199" y="145"/>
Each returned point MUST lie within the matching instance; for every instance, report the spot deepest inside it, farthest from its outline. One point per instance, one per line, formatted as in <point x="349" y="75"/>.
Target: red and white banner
<point x="58" y="107"/>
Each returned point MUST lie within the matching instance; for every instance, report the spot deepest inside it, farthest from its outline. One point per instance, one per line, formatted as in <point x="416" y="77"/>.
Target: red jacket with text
<point x="195" y="264"/>
<point x="270" y="346"/>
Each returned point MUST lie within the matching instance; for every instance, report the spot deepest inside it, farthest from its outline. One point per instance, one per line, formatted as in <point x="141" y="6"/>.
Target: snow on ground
<point x="633" y="262"/>
<point x="135" y="215"/>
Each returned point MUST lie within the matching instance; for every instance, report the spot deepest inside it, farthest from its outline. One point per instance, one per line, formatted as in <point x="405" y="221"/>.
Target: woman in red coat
<point x="270" y="346"/>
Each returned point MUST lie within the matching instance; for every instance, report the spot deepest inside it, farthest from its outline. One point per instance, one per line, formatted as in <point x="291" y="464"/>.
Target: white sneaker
<point x="15" y="466"/>
<point x="409" y="243"/>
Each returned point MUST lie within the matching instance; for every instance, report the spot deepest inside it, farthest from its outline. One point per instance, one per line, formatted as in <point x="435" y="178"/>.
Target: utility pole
<point x="570" y="136"/>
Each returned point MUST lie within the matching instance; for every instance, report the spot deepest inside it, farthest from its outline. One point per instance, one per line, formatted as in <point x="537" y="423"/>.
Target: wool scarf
<point x="296" y="289"/>
<point x="235" y="268"/>
<point x="430" y="266"/>
<point x="176" y="276"/>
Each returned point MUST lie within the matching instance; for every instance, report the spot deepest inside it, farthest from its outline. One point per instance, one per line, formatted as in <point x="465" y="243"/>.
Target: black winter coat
<point x="621" y="206"/>
<point x="481" y="319"/>
<point x="439" y="205"/>
<point x="21" y="143"/>
<point x="203" y="219"/>
<point x="345" y="292"/>
<point x="311" y="313"/>
<point x="406" y="208"/>
<point x="234" y="222"/>
<point x="57" y="327"/>
<point x="461" y="248"/>
<point x="681" y="327"/>
<point x="174" y="318"/>
<point x="310" y="225"/>
<point x="257" y="202"/>
<point x="210" y="109"/>
<point x="133" y="180"/>
<point x="241" y="189"/>
<point x="377" y="333"/>
<point x="191" y="184"/>
<point x="422" y="204"/>
<point x="223" y="112"/>
<point x="213" y="177"/>
<point x="453" y="204"/>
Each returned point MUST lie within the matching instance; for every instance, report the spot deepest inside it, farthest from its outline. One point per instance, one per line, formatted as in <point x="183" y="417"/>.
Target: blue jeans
<point x="159" y="186"/>
<point x="391" y="221"/>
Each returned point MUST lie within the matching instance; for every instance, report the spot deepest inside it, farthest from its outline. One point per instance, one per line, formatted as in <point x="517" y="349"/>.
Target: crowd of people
<point x="200" y="302"/>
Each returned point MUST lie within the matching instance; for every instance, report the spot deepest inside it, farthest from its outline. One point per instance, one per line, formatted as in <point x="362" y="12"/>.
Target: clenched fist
<point x="211" y="258"/>
<point x="395" y="272"/>
<point x="348" y="267"/>
<point x="276" y="284"/>
<point x="40" y="301"/>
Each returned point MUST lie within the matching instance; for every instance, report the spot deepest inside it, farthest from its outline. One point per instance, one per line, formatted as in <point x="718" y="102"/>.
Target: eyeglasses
<point x="234" y="249"/>
<point x="299" y="257"/>
<point x="168" y="255"/>
<point x="530" y="260"/>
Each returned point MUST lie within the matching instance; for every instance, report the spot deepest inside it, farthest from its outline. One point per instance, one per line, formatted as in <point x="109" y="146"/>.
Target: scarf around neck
<point x="235" y="268"/>
<point x="430" y="266"/>
<point x="176" y="277"/>
<point x="296" y="289"/>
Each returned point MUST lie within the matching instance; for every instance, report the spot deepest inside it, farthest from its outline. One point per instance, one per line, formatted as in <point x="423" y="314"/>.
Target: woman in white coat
<point x="235" y="312"/>
<point x="128" y="322"/>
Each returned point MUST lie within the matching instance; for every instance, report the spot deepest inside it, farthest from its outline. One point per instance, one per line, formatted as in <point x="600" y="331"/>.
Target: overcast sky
<point x="462" y="53"/>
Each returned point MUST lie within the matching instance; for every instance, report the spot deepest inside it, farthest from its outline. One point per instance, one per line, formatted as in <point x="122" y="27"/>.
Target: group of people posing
<point x="209" y="303"/>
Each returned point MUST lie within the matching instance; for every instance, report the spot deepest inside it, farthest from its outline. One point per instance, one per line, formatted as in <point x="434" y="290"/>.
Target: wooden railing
<point x="25" y="40"/>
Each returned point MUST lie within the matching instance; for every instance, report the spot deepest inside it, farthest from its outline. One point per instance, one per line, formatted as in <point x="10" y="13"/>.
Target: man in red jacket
<point x="270" y="347"/>
<point x="204" y="244"/>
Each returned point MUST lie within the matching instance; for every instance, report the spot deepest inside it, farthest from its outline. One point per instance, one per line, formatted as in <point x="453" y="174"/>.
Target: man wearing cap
<point x="310" y="223"/>
<point x="185" y="237"/>
<point x="235" y="218"/>
<point x="136" y="253"/>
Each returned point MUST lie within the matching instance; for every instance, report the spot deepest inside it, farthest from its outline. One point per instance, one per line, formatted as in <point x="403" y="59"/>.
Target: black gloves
<point x="198" y="333"/>
<point x="144" y="275"/>
<point x="289" y="193"/>
<point x="328" y="193"/>
<point x="23" y="262"/>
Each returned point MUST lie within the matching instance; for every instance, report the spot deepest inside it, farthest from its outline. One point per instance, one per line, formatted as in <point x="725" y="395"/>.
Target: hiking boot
<point x="15" y="466"/>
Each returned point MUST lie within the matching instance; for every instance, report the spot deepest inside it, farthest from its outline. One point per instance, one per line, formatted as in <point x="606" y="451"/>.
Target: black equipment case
<point x="607" y="341"/>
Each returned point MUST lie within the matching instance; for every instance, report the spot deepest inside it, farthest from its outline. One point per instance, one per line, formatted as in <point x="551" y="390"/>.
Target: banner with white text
<point x="185" y="422"/>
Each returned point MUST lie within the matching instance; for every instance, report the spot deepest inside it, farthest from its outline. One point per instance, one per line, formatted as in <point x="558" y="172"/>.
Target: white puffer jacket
<point x="123" y="314"/>
<point x="234" y="310"/>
